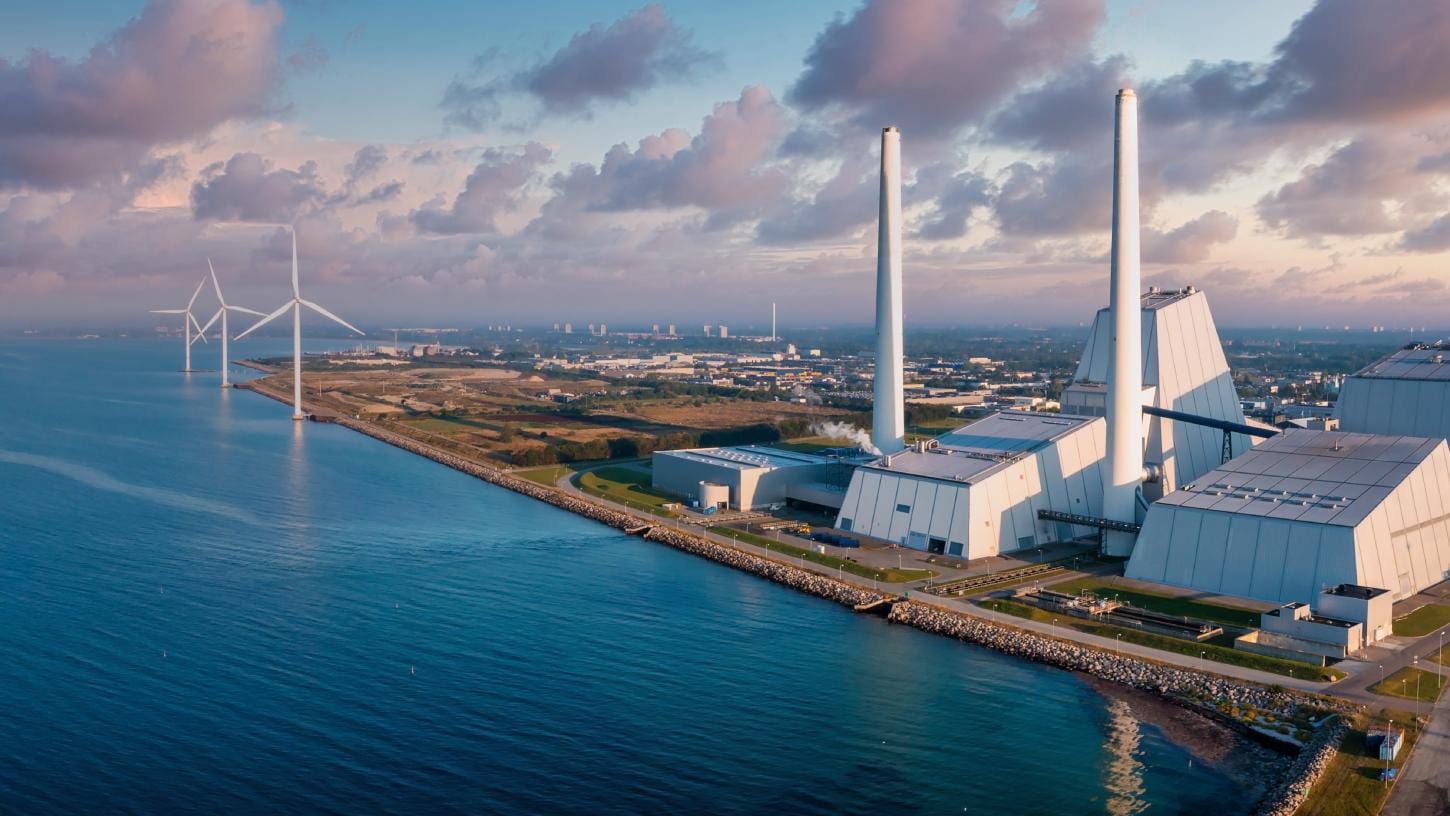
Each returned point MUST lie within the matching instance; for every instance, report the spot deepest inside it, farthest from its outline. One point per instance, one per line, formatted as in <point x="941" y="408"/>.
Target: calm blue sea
<point x="206" y="607"/>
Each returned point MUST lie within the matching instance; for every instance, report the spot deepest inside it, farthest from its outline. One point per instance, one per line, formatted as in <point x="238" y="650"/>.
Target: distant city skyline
<point x="629" y="164"/>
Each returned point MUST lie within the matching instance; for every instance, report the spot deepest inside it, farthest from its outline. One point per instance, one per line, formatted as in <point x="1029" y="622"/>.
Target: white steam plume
<point x="842" y="430"/>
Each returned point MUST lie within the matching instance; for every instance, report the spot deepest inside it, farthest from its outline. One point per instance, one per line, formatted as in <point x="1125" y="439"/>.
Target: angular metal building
<point x="1302" y="511"/>
<point x="976" y="491"/>
<point x="1406" y="393"/>
<point x="1184" y="370"/>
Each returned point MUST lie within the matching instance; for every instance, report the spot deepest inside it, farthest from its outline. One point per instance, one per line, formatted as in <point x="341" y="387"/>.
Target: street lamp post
<point x="1415" y="661"/>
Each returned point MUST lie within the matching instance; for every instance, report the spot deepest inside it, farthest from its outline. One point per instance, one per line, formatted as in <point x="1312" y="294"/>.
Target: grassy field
<point x="1165" y="604"/>
<point x="626" y="486"/>
<point x="1351" y="785"/>
<point x="1423" y="621"/>
<point x="890" y="575"/>
<point x="1216" y="653"/>
<point x="1407" y="681"/>
<point x="548" y="475"/>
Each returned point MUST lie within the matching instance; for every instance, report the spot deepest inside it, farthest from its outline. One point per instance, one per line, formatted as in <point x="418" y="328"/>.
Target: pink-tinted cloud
<point x="494" y="187"/>
<point x="932" y="66"/>
<point x="174" y="72"/>
<point x="724" y="168"/>
<point x="247" y="188"/>
<point x="1190" y="242"/>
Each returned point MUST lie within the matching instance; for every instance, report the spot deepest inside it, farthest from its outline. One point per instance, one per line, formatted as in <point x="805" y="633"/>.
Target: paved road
<point x="1424" y="785"/>
<point x="1356" y="686"/>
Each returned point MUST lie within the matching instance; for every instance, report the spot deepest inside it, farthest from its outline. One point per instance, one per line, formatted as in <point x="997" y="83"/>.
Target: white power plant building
<point x="975" y="492"/>
<point x="1302" y="511"/>
<point x="749" y="477"/>
<point x="1406" y="393"/>
<point x="1184" y="370"/>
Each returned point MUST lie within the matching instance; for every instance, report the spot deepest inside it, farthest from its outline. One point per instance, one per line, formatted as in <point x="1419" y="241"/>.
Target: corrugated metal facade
<point x="1305" y="510"/>
<point x="975" y="507"/>
<point x="1185" y="369"/>
<point x="1407" y="393"/>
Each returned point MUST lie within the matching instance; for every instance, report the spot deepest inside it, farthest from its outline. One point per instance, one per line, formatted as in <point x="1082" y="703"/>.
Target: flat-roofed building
<point x="975" y="492"/>
<point x="1406" y="393"/>
<point x="756" y="476"/>
<point x="1302" y="511"/>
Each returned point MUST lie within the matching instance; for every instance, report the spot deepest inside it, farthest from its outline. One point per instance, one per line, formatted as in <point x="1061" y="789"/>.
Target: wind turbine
<point x="296" y="304"/>
<point x="189" y="322"/>
<point x="221" y="312"/>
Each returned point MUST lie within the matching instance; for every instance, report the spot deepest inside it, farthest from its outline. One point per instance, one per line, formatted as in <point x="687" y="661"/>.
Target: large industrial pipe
<point x="1125" y="366"/>
<point x="888" y="425"/>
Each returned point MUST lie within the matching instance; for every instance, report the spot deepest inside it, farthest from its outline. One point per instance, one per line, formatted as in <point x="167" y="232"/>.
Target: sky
<point x="474" y="163"/>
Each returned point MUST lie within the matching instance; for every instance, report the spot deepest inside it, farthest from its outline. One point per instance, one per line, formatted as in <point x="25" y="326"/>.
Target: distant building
<point x="724" y="330"/>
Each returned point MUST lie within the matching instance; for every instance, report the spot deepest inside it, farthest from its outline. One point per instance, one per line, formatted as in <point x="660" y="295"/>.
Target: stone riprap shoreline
<point x="1290" y="792"/>
<point x="1180" y="685"/>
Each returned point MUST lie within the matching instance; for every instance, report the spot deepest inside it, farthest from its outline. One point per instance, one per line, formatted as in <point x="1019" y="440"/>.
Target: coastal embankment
<point x="1198" y="692"/>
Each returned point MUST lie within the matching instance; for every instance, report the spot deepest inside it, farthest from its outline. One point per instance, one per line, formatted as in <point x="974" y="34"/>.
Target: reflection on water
<point x="1124" y="782"/>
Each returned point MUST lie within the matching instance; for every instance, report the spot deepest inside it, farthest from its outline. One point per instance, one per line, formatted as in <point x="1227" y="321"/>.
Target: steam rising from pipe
<point x="842" y="430"/>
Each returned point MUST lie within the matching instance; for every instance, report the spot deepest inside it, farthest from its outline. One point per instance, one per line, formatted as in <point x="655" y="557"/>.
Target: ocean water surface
<point x="206" y="607"/>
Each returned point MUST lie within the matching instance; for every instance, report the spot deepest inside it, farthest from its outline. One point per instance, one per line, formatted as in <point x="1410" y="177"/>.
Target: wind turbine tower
<point x="188" y="322"/>
<point x="221" y="312"/>
<point x="296" y="304"/>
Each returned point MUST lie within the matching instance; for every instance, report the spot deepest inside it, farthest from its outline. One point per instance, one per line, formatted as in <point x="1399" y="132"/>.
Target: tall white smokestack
<point x="888" y="426"/>
<point x="1125" y="312"/>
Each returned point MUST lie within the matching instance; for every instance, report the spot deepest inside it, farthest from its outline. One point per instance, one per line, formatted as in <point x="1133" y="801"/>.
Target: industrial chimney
<point x="1125" y="312"/>
<point x="888" y="425"/>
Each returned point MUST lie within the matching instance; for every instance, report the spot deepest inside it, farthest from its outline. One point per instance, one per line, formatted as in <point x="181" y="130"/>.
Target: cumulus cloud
<point x="931" y="66"/>
<point x="612" y="63"/>
<point x="172" y="73"/>
<point x="1364" y="187"/>
<point x="725" y="167"/>
<point x="955" y="195"/>
<point x="247" y="188"/>
<point x="494" y="187"/>
<point x="1190" y="242"/>
<point x="844" y="204"/>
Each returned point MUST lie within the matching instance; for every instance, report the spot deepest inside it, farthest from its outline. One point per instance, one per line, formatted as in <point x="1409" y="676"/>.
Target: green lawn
<point x="1351" y="785"/>
<point x="1442" y="656"/>
<point x="1403" y="684"/>
<point x="1423" y="621"/>
<point x="1166" y="604"/>
<point x="1210" y="651"/>
<point x="624" y="485"/>
<point x="890" y="575"/>
<point x="549" y="475"/>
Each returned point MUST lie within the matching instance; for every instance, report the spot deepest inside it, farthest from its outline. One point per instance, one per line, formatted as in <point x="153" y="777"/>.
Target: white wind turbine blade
<point x="296" y="293"/>
<point x="168" y="311"/>
<point x="245" y="310"/>
<point x="192" y="302"/>
<point x="214" y="319"/>
<point x="264" y="321"/>
<point x="215" y="285"/>
<point x="325" y="313"/>
<point x="200" y="332"/>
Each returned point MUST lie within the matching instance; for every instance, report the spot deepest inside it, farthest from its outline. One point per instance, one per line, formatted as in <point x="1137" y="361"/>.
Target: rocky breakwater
<point x="1155" y="677"/>
<point x="1291" y="791"/>
<point x="794" y="577"/>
